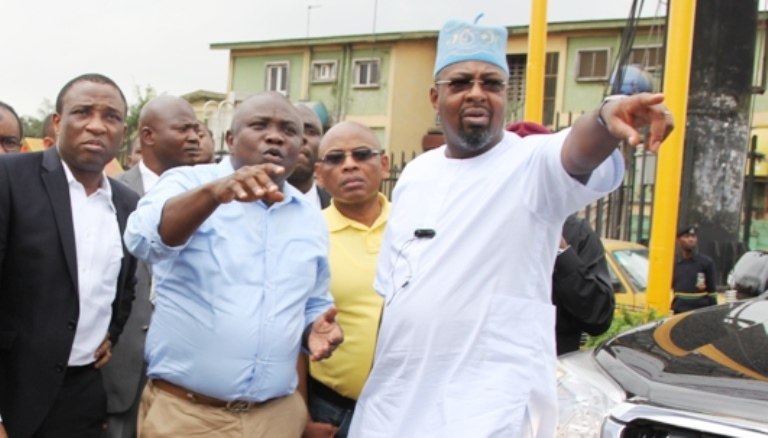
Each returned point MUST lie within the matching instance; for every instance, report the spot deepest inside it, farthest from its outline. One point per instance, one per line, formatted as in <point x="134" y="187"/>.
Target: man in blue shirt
<point x="241" y="270"/>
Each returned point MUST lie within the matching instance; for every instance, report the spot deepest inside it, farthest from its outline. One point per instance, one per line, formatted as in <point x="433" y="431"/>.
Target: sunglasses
<point x="334" y="158"/>
<point x="460" y="85"/>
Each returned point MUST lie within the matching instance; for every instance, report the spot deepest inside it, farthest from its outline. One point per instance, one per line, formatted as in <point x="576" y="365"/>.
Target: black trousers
<point x="80" y="408"/>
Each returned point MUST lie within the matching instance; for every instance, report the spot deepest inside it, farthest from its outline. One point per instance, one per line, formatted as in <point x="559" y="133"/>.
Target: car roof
<point x="612" y="245"/>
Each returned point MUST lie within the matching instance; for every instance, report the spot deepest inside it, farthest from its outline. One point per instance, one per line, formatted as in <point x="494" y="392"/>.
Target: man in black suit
<point x="303" y="177"/>
<point x="169" y="137"/>
<point x="66" y="280"/>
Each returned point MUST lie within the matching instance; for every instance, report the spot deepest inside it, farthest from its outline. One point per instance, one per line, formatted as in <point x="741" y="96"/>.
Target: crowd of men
<point x="189" y="297"/>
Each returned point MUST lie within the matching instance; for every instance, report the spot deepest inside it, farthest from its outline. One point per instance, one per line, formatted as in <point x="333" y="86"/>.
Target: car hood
<point x="711" y="360"/>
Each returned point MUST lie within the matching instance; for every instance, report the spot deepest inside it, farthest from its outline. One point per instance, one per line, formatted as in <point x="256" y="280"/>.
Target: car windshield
<point x="634" y="263"/>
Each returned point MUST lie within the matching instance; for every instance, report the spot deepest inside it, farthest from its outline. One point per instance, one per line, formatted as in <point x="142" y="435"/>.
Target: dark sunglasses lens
<point x="493" y="85"/>
<point x="334" y="157"/>
<point x="460" y="85"/>
<point x="363" y="154"/>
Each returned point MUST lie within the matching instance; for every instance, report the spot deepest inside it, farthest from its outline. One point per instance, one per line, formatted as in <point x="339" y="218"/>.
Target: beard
<point x="473" y="140"/>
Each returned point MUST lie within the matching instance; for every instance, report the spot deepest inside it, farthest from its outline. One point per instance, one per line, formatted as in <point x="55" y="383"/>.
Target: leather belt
<point x="194" y="397"/>
<point x="694" y="295"/>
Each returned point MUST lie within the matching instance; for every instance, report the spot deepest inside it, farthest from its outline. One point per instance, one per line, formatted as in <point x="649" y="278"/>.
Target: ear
<point x="433" y="96"/>
<point x="145" y="135"/>
<point x="229" y="138"/>
<point x="384" y="165"/>
<point x="319" y="180"/>
<point x="56" y="124"/>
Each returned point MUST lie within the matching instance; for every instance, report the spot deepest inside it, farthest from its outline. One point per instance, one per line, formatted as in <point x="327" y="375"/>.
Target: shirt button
<point x="71" y="325"/>
<point x="59" y="368"/>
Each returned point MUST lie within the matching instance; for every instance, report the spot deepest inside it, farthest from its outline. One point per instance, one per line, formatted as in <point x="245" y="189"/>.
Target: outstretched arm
<point x="595" y="135"/>
<point x="183" y="214"/>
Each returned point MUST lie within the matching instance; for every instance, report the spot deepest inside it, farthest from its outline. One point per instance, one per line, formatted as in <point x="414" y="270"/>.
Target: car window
<point x="634" y="263"/>
<point x="618" y="287"/>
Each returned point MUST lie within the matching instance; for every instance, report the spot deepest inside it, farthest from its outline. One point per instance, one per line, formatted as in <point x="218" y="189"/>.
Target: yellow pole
<point x="534" y="70"/>
<point x="666" y="197"/>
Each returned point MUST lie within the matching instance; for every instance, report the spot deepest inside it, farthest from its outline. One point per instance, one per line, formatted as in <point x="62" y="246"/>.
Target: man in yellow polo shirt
<point x="351" y="168"/>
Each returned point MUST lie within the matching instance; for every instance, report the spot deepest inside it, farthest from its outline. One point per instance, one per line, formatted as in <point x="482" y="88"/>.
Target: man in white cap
<point x="466" y="345"/>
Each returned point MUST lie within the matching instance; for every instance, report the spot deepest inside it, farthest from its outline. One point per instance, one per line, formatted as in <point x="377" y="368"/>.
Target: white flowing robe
<point x="467" y="344"/>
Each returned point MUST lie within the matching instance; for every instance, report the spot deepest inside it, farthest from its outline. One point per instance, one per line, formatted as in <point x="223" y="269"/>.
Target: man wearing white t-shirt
<point x="466" y="345"/>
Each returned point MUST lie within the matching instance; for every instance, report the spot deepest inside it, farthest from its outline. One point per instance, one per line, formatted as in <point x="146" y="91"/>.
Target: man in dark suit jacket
<point x="66" y="285"/>
<point x="168" y="134"/>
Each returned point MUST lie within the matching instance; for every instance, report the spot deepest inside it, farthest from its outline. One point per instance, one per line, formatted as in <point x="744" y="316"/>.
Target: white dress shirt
<point x="148" y="177"/>
<point x="99" y="255"/>
<point x="313" y="196"/>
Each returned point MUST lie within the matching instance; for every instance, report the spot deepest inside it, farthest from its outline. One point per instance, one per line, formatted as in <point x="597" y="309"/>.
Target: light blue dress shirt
<point x="232" y="301"/>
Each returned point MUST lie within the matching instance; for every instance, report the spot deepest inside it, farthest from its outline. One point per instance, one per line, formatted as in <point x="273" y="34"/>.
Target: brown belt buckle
<point x="238" y="406"/>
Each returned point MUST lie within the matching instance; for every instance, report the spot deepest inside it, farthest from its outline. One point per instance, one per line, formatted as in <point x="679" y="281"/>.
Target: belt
<point x="328" y="394"/>
<point x="194" y="397"/>
<point x="693" y="295"/>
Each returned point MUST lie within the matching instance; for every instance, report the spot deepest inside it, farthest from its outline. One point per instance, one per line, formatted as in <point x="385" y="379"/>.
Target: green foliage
<point x="134" y="110"/>
<point x="32" y="126"/>
<point x="132" y="120"/>
<point x="623" y="320"/>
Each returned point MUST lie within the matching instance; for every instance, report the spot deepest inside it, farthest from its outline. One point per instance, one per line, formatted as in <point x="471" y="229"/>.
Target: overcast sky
<point x="165" y="43"/>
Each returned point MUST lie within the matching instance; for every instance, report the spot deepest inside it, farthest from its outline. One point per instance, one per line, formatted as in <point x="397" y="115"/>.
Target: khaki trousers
<point x="164" y="415"/>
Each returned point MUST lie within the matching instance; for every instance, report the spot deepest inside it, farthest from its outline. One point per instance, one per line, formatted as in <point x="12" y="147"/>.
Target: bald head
<point x="352" y="170"/>
<point x="348" y="129"/>
<point x="168" y="132"/>
<point x="266" y="128"/>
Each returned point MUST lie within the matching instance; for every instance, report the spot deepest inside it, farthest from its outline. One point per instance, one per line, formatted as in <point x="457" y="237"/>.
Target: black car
<point x="702" y="373"/>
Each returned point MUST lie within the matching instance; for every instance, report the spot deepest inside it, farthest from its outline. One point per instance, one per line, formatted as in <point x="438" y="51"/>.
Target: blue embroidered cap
<point x="460" y="41"/>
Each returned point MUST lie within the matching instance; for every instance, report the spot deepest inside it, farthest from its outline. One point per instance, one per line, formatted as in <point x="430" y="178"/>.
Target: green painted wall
<point x="327" y="92"/>
<point x="249" y="73"/>
<point x="369" y="101"/>
<point x="578" y="95"/>
<point x="760" y="100"/>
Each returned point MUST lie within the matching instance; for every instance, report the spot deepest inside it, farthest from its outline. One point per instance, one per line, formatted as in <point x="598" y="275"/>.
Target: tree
<point x="132" y="120"/>
<point x="32" y="126"/>
<point x="134" y="110"/>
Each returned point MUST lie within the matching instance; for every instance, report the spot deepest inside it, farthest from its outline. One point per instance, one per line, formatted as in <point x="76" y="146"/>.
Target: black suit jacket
<point x="39" y="304"/>
<point x="125" y="374"/>
<point x="325" y="197"/>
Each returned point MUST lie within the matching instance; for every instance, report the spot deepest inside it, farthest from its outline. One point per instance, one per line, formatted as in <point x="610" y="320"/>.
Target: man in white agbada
<point x="466" y="345"/>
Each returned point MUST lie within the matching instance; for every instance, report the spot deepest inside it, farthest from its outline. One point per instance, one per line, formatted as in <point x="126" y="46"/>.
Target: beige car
<point x="628" y="268"/>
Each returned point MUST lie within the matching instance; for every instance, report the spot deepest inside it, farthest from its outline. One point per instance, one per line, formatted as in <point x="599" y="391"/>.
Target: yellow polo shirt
<point x="353" y="253"/>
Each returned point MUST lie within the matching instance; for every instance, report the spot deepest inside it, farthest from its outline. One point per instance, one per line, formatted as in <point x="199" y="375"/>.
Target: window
<point x="366" y="72"/>
<point x="592" y="65"/>
<point x="324" y="71"/>
<point x="550" y="87"/>
<point x="652" y="58"/>
<point x="516" y="88"/>
<point x="277" y="77"/>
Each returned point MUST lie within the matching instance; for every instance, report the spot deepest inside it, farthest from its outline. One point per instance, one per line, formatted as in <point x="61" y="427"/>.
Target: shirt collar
<point x="104" y="186"/>
<point x="146" y="170"/>
<point x="337" y="221"/>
